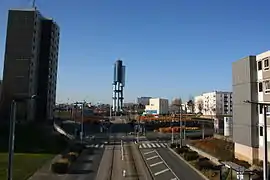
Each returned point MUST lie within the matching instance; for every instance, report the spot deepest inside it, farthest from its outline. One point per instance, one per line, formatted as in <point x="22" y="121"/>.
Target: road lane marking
<point x="153" y="145"/>
<point x="160" y="172"/>
<point x="167" y="165"/>
<point x="144" y="145"/>
<point x="174" y="179"/>
<point x="149" y="145"/>
<point x="158" y="145"/>
<point x="148" y="152"/>
<point x="155" y="164"/>
<point x="153" y="157"/>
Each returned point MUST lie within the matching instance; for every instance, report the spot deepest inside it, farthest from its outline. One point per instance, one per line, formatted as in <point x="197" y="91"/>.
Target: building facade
<point x="24" y="64"/>
<point x="157" y="106"/>
<point x="143" y="100"/>
<point x="214" y="103"/>
<point x="251" y="78"/>
<point x="47" y="70"/>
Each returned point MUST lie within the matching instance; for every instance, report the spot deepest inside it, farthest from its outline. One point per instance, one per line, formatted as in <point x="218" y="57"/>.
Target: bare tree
<point x="190" y="105"/>
<point x="200" y="105"/>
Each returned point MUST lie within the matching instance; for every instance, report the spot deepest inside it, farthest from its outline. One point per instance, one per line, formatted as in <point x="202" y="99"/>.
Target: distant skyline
<point x="177" y="49"/>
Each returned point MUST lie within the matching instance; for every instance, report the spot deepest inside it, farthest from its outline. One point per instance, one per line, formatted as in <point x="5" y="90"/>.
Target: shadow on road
<point x="85" y="161"/>
<point x="80" y="171"/>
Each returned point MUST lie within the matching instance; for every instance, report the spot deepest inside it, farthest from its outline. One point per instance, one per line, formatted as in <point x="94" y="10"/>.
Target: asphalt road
<point x="179" y="167"/>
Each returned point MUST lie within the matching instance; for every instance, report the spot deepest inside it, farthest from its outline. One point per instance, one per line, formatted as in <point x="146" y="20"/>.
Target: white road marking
<point x="155" y="164"/>
<point x="140" y="146"/>
<point x="96" y="146"/>
<point x="153" y="157"/>
<point x="102" y="145"/>
<point x="144" y="145"/>
<point x="153" y="145"/>
<point x="157" y="145"/>
<point x="160" y="172"/>
<point x="149" y="145"/>
<point x="162" y="144"/>
<point x="167" y="165"/>
<point x="149" y="152"/>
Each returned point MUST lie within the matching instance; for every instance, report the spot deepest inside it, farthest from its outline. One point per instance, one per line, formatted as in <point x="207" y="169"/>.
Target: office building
<point x="250" y="82"/>
<point x="157" y="106"/>
<point x="143" y="100"/>
<point x="30" y="63"/>
<point x="214" y="103"/>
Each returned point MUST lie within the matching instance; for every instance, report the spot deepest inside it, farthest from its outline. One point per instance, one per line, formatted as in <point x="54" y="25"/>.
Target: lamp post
<point x="172" y="130"/>
<point x="12" y="132"/>
<point x="265" y="161"/>
<point x="82" y="120"/>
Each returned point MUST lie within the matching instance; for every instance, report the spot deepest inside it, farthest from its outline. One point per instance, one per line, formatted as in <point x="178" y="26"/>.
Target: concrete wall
<point x="245" y="119"/>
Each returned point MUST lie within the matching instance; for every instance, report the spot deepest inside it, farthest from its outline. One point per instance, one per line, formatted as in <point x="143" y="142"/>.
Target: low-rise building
<point x="157" y="106"/>
<point x="214" y="103"/>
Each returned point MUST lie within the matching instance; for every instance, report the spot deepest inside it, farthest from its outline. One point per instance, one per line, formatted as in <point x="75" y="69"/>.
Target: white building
<point x="214" y="103"/>
<point x="157" y="106"/>
<point x="251" y="81"/>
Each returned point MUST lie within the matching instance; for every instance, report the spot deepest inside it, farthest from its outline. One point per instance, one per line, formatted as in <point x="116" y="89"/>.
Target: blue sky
<point x="171" y="48"/>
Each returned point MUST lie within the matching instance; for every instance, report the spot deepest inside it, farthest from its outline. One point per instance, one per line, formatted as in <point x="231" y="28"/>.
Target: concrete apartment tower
<point x="30" y="64"/>
<point x="251" y="77"/>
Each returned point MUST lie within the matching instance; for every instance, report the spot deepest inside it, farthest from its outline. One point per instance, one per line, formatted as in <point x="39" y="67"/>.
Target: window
<point x="260" y="87"/>
<point x="266" y="64"/>
<point x="267" y="86"/>
<point x="260" y="65"/>
<point x="261" y="131"/>
<point x="261" y="108"/>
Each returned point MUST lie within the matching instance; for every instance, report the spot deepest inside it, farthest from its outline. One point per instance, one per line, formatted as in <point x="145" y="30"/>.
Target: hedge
<point x="191" y="155"/>
<point x="61" y="166"/>
<point x="182" y="150"/>
<point x="204" y="164"/>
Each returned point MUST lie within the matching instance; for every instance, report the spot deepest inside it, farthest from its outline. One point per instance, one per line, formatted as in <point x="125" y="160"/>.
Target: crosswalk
<point x="95" y="146"/>
<point x="153" y="145"/>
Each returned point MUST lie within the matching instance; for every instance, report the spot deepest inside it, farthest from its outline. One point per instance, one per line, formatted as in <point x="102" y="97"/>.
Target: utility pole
<point x="265" y="165"/>
<point x="180" y="122"/>
<point x="172" y="130"/>
<point x="265" y="158"/>
<point x="138" y="128"/>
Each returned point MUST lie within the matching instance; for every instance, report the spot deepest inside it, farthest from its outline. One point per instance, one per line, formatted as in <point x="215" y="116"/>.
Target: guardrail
<point x="61" y="131"/>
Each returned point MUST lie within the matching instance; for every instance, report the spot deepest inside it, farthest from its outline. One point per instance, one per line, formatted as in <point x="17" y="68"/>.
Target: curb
<point x="193" y="168"/>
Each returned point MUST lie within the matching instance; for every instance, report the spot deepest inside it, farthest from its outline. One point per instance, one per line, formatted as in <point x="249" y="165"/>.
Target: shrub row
<point x="61" y="166"/>
<point x="202" y="163"/>
<point x="190" y="155"/>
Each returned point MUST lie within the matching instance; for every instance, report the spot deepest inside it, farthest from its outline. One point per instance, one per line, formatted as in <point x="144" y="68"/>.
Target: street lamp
<point x="12" y="123"/>
<point x="265" y="165"/>
<point x="82" y="120"/>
